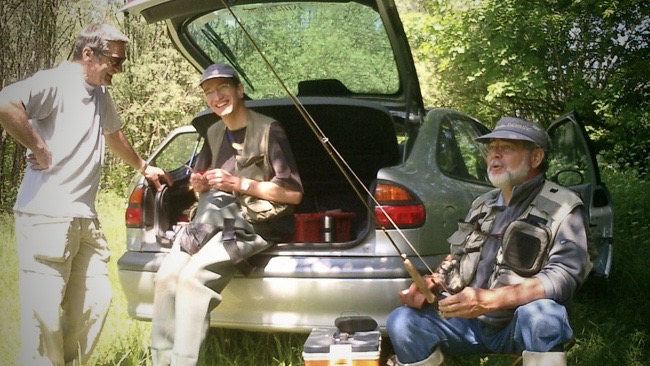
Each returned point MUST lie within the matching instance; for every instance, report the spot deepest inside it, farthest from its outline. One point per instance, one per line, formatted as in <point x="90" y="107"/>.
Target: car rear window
<point x="342" y="47"/>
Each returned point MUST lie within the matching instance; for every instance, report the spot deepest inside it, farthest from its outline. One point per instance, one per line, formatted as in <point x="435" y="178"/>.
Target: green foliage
<point x="623" y="141"/>
<point x="603" y="307"/>
<point x="539" y="60"/>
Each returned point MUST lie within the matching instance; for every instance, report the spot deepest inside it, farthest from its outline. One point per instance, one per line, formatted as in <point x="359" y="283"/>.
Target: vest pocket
<point x="257" y="210"/>
<point x="525" y="247"/>
<point x="465" y="245"/>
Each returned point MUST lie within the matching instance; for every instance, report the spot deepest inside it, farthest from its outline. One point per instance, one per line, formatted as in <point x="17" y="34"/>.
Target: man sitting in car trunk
<point x="515" y="262"/>
<point x="246" y="194"/>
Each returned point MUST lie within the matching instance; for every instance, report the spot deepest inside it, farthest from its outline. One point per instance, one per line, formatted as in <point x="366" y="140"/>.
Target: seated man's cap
<point x="511" y="128"/>
<point x="219" y="71"/>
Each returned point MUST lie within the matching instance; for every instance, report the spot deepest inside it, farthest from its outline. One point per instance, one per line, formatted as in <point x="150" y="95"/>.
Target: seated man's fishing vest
<point x="525" y="244"/>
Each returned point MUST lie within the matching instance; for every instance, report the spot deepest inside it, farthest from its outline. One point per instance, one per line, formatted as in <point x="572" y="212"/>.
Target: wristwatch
<point x="245" y="184"/>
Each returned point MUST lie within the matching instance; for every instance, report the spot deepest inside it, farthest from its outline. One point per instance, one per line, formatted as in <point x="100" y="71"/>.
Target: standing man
<point x="516" y="260"/>
<point x="64" y="117"/>
<point x="246" y="196"/>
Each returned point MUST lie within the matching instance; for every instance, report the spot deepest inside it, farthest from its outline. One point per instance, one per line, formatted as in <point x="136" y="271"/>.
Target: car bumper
<point x="296" y="301"/>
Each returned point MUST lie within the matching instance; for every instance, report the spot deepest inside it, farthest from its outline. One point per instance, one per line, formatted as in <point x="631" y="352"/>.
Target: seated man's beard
<point x="509" y="177"/>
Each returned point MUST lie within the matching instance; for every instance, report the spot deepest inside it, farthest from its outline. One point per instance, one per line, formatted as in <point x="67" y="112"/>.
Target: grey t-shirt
<point x="71" y="116"/>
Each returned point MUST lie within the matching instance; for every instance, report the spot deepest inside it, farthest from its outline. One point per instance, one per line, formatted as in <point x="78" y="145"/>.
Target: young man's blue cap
<point x="219" y="71"/>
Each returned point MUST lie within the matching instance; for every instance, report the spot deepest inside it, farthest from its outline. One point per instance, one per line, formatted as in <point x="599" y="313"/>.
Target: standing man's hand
<point x="14" y="120"/>
<point x="40" y="161"/>
<point x="121" y="147"/>
<point x="156" y="175"/>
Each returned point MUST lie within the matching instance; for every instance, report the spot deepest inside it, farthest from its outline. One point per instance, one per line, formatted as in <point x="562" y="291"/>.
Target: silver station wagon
<point x="348" y="64"/>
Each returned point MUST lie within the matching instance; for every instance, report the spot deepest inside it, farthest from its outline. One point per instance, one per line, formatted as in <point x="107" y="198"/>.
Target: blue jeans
<point x="540" y="326"/>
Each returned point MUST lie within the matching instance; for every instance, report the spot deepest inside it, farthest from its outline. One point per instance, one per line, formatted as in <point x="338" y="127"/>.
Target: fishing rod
<point x="347" y="171"/>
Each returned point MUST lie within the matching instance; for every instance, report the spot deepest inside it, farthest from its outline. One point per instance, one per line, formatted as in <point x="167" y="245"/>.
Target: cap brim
<point x="214" y="77"/>
<point x="504" y="135"/>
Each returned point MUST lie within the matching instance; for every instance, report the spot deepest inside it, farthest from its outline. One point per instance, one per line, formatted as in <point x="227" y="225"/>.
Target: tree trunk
<point x="27" y="38"/>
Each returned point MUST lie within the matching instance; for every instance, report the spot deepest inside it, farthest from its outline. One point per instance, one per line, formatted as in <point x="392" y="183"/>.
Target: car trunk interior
<point x="361" y="132"/>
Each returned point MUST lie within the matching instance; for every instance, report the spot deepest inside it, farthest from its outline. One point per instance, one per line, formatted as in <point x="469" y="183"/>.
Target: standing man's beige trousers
<point x="65" y="292"/>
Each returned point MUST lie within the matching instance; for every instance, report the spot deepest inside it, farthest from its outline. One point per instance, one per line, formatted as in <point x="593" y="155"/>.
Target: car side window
<point x="458" y="155"/>
<point x="178" y="151"/>
<point x="569" y="162"/>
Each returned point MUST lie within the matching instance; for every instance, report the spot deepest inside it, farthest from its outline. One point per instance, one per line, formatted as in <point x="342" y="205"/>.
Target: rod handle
<point x="419" y="282"/>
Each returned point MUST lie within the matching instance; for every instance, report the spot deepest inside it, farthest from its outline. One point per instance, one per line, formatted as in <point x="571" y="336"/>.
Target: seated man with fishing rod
<point x="247" y="183"/>
<point x="516" y="261"/>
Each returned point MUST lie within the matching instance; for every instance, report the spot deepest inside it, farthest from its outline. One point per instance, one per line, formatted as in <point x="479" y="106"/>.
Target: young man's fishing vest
<point x="525" y="244"/>
<point x="230" y="218"/>
<point x="253" y="162"/>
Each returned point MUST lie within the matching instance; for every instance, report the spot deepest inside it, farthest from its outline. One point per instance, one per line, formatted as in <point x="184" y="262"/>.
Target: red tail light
<point x="134" y="215"/>
<point x="402" y="207"/>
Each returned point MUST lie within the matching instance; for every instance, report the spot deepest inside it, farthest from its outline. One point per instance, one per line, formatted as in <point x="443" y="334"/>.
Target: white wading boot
<point x="160" y="357"/>
<point x="436" y="359"/>
<point x="544" y="358"/>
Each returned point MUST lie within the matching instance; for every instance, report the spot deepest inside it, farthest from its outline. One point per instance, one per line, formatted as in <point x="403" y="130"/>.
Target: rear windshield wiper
<point x="213" y="37"/>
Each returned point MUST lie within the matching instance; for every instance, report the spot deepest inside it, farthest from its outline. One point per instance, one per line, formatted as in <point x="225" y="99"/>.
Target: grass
<point x="9" y="290"/>
<point x="611" y="318"/>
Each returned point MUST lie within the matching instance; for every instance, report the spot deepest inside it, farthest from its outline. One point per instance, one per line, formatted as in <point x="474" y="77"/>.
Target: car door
<point x="572" y="163"/>
<point x="150" y="213"/>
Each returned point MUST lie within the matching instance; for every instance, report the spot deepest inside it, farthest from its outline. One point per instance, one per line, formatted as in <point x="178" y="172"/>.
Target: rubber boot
<point x="544" y="358"/>
<point x="184" y="361"/>
<point x="161" y="357"/>
<point x="435" y="359"/>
